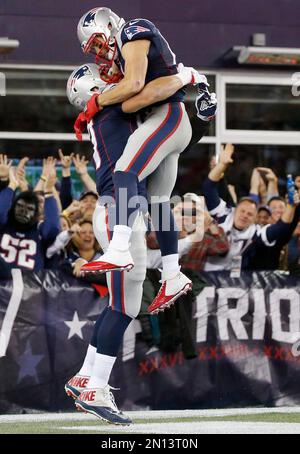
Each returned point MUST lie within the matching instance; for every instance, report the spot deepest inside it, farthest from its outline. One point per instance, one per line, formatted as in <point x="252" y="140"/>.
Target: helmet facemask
<point x="107" y="75"/>
<point x="106" y="48"/>
<point x="98" y="28"/>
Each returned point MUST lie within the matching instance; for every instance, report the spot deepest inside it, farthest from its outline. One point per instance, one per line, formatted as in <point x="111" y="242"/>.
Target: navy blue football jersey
<point x="161" y="59"/>
<point x="26" y="249"/>
<point x="23" y="250"/>
<point x="109" y="131"/>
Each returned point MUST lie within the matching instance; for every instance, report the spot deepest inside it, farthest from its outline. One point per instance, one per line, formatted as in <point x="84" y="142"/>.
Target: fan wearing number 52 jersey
<point x="23" y="241"/>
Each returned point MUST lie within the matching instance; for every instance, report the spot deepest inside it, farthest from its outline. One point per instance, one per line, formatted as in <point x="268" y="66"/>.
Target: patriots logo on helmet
<point x="90" y="18"/>
<point x="134" y="30"/>
<point x="80" y="73"/>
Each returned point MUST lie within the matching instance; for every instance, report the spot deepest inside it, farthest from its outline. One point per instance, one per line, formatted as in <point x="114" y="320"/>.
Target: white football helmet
<point x="99" y="23"/>
<point x="83" y="83"/>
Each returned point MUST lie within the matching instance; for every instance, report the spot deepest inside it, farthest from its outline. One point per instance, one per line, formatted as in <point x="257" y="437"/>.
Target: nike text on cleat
<point x="170" y="290"/>
<point x="112" y="260"/>
<point x="76" y="385"/>
<point x="100" y="402"/>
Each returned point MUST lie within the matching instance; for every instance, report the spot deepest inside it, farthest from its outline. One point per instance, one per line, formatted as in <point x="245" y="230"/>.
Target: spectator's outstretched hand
<point x="262" y="187"/>
<point x="271" y="179"/>
<point x="73" y="211"/>
<point x="5" y="166"/>
<point x="226" y="154"/>
<point x="80" y="163"/>
<point x="49" y="166"/>
<point x="21" y="174"/>
<point x="255" y="182"/>
<point x="225" y="159"/>
<point x="66" y="161"/>
<point x="13" y="179"/>
<point x="212" y="162"/>
<point x="22" y="163"/>
<point x="50" y="181"/>
<point x="268" y="173"/>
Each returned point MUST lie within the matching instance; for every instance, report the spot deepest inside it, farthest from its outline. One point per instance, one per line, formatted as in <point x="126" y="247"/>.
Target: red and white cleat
<point x="100" y="402"/>
<point x="76" y="385"/>
<point x="112" y="260"/>
<point x="169" y="292"/>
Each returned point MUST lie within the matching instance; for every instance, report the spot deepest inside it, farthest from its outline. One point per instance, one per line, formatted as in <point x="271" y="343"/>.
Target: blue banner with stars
<point x="44" y="333"/>
<point x="241" y="344"/>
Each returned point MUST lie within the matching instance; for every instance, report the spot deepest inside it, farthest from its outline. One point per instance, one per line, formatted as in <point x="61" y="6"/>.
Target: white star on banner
<point x="75" y="326"/>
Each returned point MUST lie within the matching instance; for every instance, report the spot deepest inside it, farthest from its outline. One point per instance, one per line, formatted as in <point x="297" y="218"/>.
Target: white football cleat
<point x="76" y="385"/>
<point x="100" y="402"/>
<point x="170" y="290"/>
<point x="112" y="260"/>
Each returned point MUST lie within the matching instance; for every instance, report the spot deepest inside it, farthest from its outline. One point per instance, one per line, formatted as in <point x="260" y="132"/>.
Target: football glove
<point x="80" y="125"/>
<point x="92" y="107"/>
<point x="189" y="75"/>
<point x="206" y="103"/>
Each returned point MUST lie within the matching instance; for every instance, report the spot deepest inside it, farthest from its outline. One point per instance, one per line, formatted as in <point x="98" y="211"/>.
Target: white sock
<point x="121" y="237"/>
<point x="102" y="368"/>
<point x="171" y="266"/>
<point x="87" y="366"/>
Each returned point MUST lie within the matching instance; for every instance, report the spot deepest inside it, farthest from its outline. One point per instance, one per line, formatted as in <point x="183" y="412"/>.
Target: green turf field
<point x="169" y="422"/>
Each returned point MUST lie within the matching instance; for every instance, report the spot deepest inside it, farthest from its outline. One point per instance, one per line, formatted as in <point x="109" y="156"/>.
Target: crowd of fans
<point x="44" y="227"/>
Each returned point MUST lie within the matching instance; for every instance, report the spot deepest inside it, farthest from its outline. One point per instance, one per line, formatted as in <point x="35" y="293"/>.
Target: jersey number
<point x="18" y="251"/>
